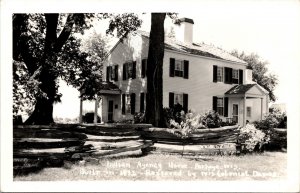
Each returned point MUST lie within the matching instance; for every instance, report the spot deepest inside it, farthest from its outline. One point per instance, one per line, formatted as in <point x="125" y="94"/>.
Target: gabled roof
<point x="240" y="89"/>
<point x="243" y="88"/>
<point x="200" y="49"/>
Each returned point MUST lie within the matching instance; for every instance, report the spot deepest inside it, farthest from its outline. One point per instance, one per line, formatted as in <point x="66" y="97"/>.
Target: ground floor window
<point x="220" y="106"/>
<point x="178" y="101"/>
<point x="128" y="103"/>
<point x="248" y="111"/>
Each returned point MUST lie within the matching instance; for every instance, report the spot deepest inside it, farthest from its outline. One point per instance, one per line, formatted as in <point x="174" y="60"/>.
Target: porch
<point x="247" y="102"/>
<point x="105" y="91"/>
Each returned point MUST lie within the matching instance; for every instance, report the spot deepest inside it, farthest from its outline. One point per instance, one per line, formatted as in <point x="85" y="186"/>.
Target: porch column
<point x="96" y="110"/>
<point x="80" y="110"/>
<point x="261" y="108"/>
<point x="245" y="111"/>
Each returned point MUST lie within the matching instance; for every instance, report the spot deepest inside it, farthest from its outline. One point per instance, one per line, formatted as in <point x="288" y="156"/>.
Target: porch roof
<point x="108" y="88"/>
<point x="102" y="88"/>
<point x="249" y="90"/>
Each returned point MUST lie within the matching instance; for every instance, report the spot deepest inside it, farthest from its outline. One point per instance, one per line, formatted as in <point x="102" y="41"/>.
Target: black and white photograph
<point x="150" y="96"/>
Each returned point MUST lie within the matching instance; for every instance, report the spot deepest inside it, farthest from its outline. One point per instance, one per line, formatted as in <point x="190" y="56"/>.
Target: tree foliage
<point x="45" y="47"/>
<point x="260" y="72"/>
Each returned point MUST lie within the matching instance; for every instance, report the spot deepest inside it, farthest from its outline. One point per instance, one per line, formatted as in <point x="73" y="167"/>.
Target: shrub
<point x="252" y="137"/>
<point x="273" y="120"/>
<point x="190" y="122"/>
<point x="139" y="117"/>
<point x="171" y="114"/>
<point x="212" y="119"/>
<point x="227" y="123"/>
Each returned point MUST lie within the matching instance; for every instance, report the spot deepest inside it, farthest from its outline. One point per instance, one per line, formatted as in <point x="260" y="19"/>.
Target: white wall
<point x="200" y="86"/>
<point x="135" y="48"/>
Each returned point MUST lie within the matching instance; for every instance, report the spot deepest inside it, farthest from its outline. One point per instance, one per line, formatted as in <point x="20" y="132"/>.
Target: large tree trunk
<point x="154" y="99"/>
<point x="43" y="111"/>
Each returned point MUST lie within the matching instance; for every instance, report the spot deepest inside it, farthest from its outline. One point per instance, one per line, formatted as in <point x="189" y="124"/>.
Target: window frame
<point x="181" y="96"/>
<point x="127" y="104"/>
<point x="220" y="106"/>
<point x="112" y="73"/>
<point x="248" y="111"/>
<point x="235" y="79"/>
<point x="179" y="72"/>
<point x="221" y="74"/>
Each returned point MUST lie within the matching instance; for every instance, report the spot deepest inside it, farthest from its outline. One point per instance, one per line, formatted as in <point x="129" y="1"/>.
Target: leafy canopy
<point x="50" y="42"/>
<point x="260" y="72"/>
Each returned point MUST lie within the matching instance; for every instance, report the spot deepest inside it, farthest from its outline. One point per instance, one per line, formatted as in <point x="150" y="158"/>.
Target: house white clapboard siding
<point x="200" y="77"/>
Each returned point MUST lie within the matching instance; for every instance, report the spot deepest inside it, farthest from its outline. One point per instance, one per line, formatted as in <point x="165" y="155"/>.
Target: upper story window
<point x="112" y="73"/>
<point x="227" y="75"/>
<point x="129" y="70"/>
<point x="235" y="76"/>
<point x="179" y="68"/>
<point x="220" y="74"/>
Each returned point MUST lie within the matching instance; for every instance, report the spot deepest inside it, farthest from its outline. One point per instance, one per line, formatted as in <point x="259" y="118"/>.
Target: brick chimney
<point x="184" y="30"/>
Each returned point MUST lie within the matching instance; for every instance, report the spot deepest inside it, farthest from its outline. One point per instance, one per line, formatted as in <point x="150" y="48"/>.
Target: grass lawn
<point x="266" y="166"/>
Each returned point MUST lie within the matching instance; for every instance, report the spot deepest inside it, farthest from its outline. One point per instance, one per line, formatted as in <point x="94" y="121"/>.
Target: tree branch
<point x="51" y="22"/>
<point x="65" y="33"/>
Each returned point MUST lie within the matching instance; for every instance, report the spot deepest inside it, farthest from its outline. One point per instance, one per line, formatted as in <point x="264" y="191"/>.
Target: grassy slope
<point x="199" y="168"/>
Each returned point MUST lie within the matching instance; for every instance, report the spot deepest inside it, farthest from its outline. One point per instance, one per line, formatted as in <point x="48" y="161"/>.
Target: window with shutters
<point x="127" y="104"/>
<point x="220" y="106"/>
<point x="179" y="68"/>
<point x="129" y="70"/>
<point x="114" y="73"/>
<point x="220" y="74"/>
<point x="235" y="76"/>
<point x="178" y="99"/>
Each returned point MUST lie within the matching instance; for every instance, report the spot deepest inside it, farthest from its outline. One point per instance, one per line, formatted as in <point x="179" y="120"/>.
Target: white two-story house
<point x="199" y="77"/>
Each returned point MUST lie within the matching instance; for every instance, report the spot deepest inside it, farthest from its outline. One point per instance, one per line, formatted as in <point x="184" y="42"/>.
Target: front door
<point x="235" y="113"/>
<point x="110" y="110"/>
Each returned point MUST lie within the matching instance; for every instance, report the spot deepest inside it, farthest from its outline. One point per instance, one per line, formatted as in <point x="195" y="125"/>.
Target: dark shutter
<point x="108" y="71"/>
<point x="116" y="72"/>
<point x="171" y="100"/>
<point x="124" y="71"/>
<point x="132" y="103"/>
<point x="228" y="75"/>
<point x="215" y="100"/>
<point x="142" y="102"/>
<point x="123" y="104"/>
<point x="186" y="69"/>
<point x="226" y="107"/>
<point x="215" y="73"/>
<point x="185" y="102"/>
<point x="172" y="67"/>
<point x="240" y="76"/>
<point x="133" y="76"/>
<point x="143" y="68"/>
